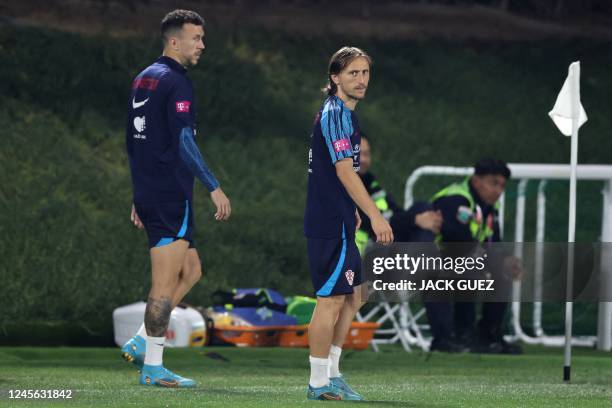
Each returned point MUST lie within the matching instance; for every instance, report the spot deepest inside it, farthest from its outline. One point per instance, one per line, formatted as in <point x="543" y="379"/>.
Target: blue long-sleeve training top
<point x="160" y="135"/>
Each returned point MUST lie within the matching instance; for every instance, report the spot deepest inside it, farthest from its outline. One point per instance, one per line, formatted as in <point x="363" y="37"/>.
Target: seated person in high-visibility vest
<point x="419" y="223"/>
<point x="470" y="213"/>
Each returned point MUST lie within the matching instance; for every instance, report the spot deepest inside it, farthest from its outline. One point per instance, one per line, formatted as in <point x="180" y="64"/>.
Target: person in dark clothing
<point x="419" y="223"/>
<point x="470" y="213"/>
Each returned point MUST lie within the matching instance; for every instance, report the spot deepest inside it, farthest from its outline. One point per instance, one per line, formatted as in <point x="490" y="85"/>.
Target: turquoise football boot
<point x="328" y="392"/>
<point x="134" y="351"/>
<point x="349" y="393"/>
<point x="162" y="377"/>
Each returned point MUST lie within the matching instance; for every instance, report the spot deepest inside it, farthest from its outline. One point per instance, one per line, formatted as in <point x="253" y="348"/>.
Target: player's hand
<point x="429" y="220"/>
<point x="382" y="229"/>
<point x="358" y="220"/>
<point x="513" y="267"/>
<point x="135" y="219"/>
<point x="224" y="209"/>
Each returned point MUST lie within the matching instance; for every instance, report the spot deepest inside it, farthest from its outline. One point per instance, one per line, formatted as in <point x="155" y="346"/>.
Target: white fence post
<point x="604" y="320"/>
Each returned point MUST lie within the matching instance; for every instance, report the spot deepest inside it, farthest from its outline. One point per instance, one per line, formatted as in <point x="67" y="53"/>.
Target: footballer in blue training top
<point x="330" y="211"/>
<point x="335" y="136"/>
<point x="331" y="219"/>
<point x="164" y="161"/>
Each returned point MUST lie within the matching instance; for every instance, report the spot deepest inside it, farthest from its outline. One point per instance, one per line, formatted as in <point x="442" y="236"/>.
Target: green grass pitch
<point x="275" y="377"/>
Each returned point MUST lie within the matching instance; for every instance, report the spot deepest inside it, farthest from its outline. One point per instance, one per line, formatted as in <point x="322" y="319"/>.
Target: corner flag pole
<point x="571" y="229"/>
<point x="569" y="115"/>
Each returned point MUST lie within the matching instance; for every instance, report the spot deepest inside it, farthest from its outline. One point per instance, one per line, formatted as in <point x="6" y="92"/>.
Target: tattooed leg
<point x="157" y="316"/>
<point x="166" y="264"/>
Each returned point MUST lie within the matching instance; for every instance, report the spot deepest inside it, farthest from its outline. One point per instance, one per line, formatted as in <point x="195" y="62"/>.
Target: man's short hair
<point x="174" y="21"/>
<point x="492" y="166"/>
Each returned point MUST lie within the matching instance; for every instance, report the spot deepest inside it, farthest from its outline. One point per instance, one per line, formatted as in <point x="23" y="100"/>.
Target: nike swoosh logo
<point x="137" y="105"/>
<point x="160" y="345"/>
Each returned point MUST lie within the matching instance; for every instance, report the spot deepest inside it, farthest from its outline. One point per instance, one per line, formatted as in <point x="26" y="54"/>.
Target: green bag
<point x="301" y="307"/>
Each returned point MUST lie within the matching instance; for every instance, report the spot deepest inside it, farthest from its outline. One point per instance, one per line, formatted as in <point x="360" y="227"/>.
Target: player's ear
<point x="174" y="43"/>
<point x="336" y="79"/>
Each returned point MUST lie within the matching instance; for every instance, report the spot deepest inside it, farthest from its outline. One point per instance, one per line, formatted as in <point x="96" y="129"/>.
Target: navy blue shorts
<point x="335" y="266"/>
<point x="167" y="222"/>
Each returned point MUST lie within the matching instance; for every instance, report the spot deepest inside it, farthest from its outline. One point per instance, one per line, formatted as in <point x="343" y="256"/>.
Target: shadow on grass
<point x="227" y="392"/>
<point x="370" y="403"/>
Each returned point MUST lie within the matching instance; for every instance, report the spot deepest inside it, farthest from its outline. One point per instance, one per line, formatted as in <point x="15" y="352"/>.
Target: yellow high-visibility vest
<point x="479" y="228"/>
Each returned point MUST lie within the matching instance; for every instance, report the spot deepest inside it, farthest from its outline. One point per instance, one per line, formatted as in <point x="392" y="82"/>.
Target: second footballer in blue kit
<point x="331" y="219"/>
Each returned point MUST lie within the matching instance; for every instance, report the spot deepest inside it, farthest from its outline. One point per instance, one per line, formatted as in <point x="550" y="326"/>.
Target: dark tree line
<point x="547" y="9"/>
<point x="534" y="8"/>
<point x="552" y="8"/>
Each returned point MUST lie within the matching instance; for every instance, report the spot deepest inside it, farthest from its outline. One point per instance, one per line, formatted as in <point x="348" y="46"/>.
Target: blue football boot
<point x="328" y="392"/>
<point x="162" y="377"/>
<point x="349" y="393"/>
<point x="134" y="350"/>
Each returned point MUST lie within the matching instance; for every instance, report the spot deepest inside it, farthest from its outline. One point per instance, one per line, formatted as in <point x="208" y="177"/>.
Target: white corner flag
<point x="562" y="113"/>
<point x="568" y="114"/>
